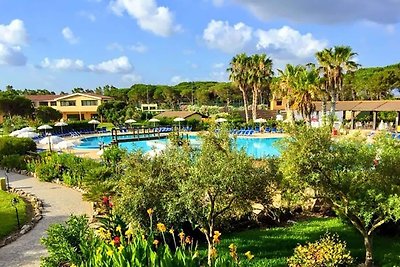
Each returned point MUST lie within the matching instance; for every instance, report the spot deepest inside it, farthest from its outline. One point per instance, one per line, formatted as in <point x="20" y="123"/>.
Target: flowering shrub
<point x="66" y="167"/>
<point x="329" y="251"/>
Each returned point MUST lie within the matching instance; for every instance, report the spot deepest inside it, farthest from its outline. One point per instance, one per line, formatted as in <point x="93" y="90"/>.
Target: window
<point x="89" y="102"/>
<point x="73" y="117"/>
<point x="53" y="103"/>
<point x="43" y="103"/>
<point x="68" y="103"/>
<point x="279" y="102"/>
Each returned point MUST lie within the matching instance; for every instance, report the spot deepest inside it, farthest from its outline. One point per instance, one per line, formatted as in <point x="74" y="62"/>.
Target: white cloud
<point x="131" y="78"/>
<point x="115" y="46"/>
<point x="13" y="33"/>
<point x="218" y="65"/>
<point x="150" y="17"/>
<point x="12" y="37"/>
<point x="139" y="47"/>
<point x="339" y="11"/>
<point x="218" y="2"/>
<point x="229" y="39"/>
<point x="63" y="64"/>
<point x="287" y="43"/>
<point x="116" y="65"/>
<point x="178" y="79"/>
<point x="119" y="65"/>
<point x="69" y="36"/>
<point x="87" y="15"/>
<point x="11" y="56"/>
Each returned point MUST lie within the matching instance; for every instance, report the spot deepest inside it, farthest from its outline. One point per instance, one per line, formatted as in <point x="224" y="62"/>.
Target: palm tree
<point x="285" y="86"/>
<point x="305" y="85"/>
<point x="239" y="76"/>
<point x="335" y="62"/>
<point x="259" y="76"/>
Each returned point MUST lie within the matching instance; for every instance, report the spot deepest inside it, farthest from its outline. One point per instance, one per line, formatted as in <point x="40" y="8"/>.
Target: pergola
<point x="373" y="106"/>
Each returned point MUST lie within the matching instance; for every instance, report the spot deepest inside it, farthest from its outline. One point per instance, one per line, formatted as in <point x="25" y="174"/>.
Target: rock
<point x="26" y="228"/>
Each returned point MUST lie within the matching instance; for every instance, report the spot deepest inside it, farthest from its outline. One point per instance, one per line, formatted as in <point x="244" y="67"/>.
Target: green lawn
<point x="8" y="221"/>
<point x="271" y="247"/>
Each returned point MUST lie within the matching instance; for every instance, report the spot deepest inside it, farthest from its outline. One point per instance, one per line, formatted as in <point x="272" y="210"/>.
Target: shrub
<point x="15" y="146"/>
<point x="329" y="251"/>
<point x="67" y="244"/>
<point x="66" y="167"/>
<point x="13" y="162"/>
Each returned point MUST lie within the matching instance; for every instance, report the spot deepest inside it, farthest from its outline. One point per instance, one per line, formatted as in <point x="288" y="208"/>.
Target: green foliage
<point x="113" y="111"/>
<point x="12" y="104"/>
<point x="329" y="251"/>
<point x="360" y="180"/>
<point x="65" y="167"/>
<point x="68" y="244"/>
<point x="47" y="114"/>
<point x="12" y="147"/>
<point x="13" y="162"/>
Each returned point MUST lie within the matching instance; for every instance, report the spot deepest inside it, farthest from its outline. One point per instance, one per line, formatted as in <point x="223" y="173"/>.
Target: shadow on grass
<point x="272" y="247"/>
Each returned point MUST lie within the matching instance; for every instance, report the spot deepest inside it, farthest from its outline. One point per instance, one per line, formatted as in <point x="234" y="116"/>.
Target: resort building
<point x="187" y="115"/>
<point x="78" y="106"/>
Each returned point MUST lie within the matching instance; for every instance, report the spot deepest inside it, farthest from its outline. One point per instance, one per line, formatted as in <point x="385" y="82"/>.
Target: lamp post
<point x="8" y="179"/>
<point x="15" y="202"/>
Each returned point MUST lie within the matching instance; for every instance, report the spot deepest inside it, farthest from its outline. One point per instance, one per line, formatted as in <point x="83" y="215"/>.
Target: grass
<point x="273" y="246"/>
<point x="8" y="220"/>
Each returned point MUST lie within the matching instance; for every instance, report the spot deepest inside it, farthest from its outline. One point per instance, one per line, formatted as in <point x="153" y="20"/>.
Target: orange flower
<point x="156" y="242"/>
<point x="216" y="236"/>
<point x="213" y="252"/>
<point x="182" y="236"/>
<point x="188" y="240"/>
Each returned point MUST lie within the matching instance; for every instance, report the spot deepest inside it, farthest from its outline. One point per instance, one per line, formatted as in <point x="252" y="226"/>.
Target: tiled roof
<point x="176" y="114"/>
<point x="35" y="98"/>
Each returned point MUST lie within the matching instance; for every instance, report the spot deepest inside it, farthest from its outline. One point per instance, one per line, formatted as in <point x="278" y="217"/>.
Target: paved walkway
<point x="59" y="203"/>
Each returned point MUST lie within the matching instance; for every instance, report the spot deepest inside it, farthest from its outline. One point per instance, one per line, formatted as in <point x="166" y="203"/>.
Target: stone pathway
<point x="59" y="202"/>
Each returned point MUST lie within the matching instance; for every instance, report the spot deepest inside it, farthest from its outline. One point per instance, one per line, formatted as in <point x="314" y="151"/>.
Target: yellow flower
<point x="216" y="236"/>
<point x="213" y="252"/>
<point x="98" y="251"/>
<point x="249" y="255"/>
<point x="181" y="235"/>
<point x="188" y="240"/>
<point x="150" y="211"/>
<point x="120" y="248"/>
<point x="118" y="228"/>
<point x="171" y="231"/>
<point x="110" y="253"/>
<point x="72" y="265"/>
<point x="156" y="242"/>
<point x="129" y="232"/>
<point x="161" y="227"/>
<point x="232" y="246"/>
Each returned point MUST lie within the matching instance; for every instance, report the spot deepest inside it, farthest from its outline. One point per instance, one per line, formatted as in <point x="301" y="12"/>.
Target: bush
<point x="13" y="151"/>
<point x="329" y="251"/>
<point x="13" y="162"/>
<point x="16" y="146"/>
<point x="66" y="167"/>
<point x="67" y="244"/>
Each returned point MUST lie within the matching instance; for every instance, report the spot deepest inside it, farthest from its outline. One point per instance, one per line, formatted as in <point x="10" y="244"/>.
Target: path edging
<point x="37" y="206"/>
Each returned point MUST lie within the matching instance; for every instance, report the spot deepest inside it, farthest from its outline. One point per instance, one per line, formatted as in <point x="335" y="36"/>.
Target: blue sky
<point x="62" y="44"/>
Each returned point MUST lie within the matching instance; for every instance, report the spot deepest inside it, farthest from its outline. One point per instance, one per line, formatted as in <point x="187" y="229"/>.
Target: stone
<point x="26" y="228"/>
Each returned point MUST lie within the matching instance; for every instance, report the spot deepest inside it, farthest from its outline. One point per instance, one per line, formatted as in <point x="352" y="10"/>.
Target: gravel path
<point x="59" y="203"/>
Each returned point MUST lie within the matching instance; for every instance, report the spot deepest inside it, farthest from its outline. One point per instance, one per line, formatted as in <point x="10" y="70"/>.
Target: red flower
<point x="376" y="162"/>
<point x="117" y="241"/>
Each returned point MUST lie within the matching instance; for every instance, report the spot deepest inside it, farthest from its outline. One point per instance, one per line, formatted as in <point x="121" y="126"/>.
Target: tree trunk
<point x="254" y="106"/>
<point x="246" y="112"/>
<point x="368" y="251"/>
<point x="323" y="110"/>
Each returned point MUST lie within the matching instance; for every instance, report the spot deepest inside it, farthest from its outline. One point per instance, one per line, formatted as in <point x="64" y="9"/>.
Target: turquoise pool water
<point x="256" y="147"/>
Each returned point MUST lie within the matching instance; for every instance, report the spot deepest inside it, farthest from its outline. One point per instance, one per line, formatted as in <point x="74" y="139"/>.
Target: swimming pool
<point x="256" y="147"/>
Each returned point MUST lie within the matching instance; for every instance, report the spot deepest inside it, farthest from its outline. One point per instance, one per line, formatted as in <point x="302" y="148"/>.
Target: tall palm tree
<point x="239" y="76"/>
<point x="335" y="62"/>
<point x="306" y="85"/>
<point x="259" y="76"/>
<point x="285" y="86"/>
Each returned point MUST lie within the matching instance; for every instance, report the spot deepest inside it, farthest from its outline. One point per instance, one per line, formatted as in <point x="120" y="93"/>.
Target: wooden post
<point x="397" y="121"/>
<point x="352" y="120"/>
<point x="374" y="113"/>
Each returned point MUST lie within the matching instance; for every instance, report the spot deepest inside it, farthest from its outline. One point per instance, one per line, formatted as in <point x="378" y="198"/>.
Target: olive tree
<point x="361" y="181"/>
